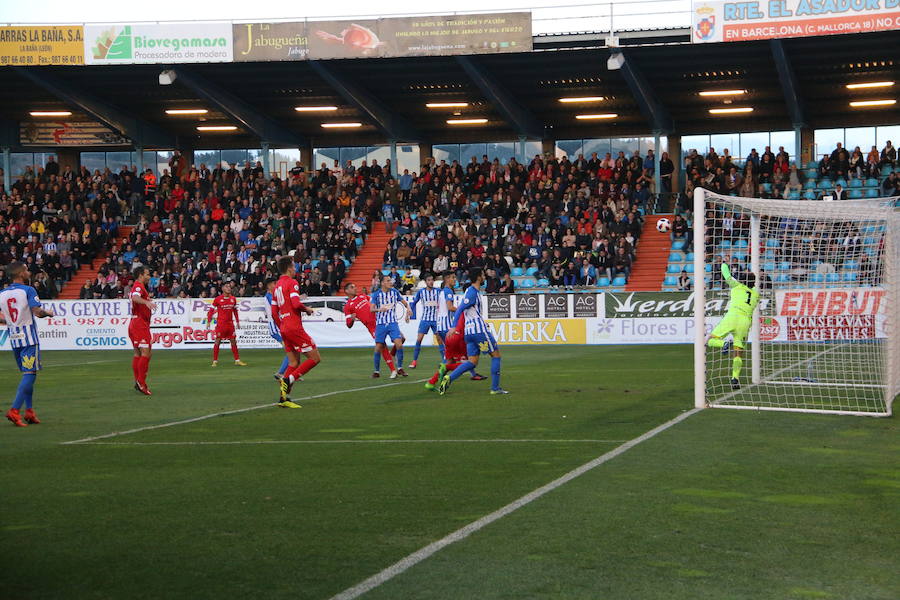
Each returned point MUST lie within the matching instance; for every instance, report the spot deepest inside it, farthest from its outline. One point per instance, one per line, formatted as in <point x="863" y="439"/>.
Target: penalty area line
<point x="232" y="412"/>
<point x="460" y="534"/>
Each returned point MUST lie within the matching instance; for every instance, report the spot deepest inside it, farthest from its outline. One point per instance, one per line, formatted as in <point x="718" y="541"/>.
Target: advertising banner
<point x="270" y="41"/>
<point x="69" y="133"/>
<point x="722" y="21"/>
<point x="828" y="302"/>
<point x="148" y="43"/>
<point x="585" y="305"/>
<point x="499" y="306"/>
<point x="383" y="38"/>
<point x="41" y="45"/>
<point x="538" y="331"/>
<point x="527" y="306"/>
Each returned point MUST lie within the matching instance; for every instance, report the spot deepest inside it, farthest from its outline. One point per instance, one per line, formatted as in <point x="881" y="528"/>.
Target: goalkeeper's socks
<point x="736" y="365"/>
<point x="715" y="342"/>
<point x="495" y="373"/>
<point x="460" y="370"/>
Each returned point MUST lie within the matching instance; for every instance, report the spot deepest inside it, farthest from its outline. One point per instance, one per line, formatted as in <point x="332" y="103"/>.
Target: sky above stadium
<point x="548" y="16"/>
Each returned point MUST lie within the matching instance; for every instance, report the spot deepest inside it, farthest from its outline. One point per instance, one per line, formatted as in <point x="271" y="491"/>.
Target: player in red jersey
<point x="227" y="319"/>
<point x="287" y="311"/>
<point x="454" y="353"/>
<point x="139" y="328"/>
<point x="357" y="308"/>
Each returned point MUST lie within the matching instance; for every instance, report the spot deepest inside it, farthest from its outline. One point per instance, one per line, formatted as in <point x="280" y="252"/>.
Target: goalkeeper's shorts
<point x="737" y="325"/>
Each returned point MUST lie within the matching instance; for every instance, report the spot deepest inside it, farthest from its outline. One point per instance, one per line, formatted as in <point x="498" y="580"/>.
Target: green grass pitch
<point x="276" y="503"/>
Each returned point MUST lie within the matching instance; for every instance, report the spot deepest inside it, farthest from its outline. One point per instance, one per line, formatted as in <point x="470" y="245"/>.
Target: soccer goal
<point x="824" y="337"/>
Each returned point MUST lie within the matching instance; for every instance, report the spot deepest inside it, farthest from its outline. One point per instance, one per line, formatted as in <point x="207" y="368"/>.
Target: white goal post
<point x="824" y="337"/>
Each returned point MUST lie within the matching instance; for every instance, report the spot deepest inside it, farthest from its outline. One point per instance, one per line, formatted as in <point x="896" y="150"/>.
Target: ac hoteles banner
<point x="721" y="21"/>
<point x="143" y="43"/>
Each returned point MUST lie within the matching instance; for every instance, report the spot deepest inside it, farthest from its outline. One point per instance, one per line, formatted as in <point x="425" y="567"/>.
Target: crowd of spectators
<point x="774" y="175"/>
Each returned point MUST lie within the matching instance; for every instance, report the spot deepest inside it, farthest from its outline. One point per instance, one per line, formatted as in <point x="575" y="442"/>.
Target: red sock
<point x="143" y="368"/>
<point x="216" y="352"/>
<point x="234" y="350"/>
<point x="388" y="359"/>
<point x="305" y="367"/>
<point x="434" y="377"/>
<point x="135" y="367"/>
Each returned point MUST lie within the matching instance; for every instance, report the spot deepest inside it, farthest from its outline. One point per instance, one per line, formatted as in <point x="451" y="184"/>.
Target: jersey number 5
<point x="13" y="311"/>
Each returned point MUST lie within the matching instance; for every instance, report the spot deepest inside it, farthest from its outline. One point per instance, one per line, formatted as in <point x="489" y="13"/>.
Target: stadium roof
<point x="657" y="88"/>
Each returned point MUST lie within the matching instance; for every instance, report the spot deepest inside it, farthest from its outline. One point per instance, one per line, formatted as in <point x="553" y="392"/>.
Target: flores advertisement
<point x="150" y="44"/>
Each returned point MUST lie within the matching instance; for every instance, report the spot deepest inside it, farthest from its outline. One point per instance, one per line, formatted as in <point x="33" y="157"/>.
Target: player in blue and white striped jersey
<point x="446" y="310"/>
<point x="479" y="339"/>
<point x="428" y="300"/>
<point x="384" y="304"/>
<point x="273" y="327"/>
<point x="19" y="305"/>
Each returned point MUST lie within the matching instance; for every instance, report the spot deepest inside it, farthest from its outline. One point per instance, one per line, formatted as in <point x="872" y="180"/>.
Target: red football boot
<point x="30" y="417"/>
<point x="16" y="419"/>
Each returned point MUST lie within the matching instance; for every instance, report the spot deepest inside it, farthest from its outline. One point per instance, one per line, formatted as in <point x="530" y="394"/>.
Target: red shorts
<point x="225" y="333"/>
<point x="139" y="333"/>
<point x="297" y="340"/>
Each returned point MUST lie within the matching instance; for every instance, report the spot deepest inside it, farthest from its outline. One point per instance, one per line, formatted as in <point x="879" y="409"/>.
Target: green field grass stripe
<point x="460" y="534"/>
<point x="233" y="412"/>
<point x="385" y="441"/>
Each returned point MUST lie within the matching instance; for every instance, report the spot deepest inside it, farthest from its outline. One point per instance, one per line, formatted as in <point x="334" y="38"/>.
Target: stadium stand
<point x="554" y="223"/>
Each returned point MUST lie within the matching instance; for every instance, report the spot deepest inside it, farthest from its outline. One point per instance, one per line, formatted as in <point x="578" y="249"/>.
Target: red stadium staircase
<point x="71" y="289"/>
<point x="369" y="259"/>
<point x="649" y="269"/>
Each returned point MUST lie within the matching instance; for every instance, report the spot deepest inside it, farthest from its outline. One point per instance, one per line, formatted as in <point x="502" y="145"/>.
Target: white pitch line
<point x="231" y="412"/>
<point x="264" y="442"/>
<point x="418" y="556"/>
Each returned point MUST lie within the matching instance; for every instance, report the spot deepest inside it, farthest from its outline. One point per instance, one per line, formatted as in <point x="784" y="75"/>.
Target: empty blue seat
<point x="531" y="271"/>
<point x="826" y="182"/>
<point x="855" y="194"/>
<point x="517" y="272"/>
<point x="385" y="271"/>
<point x="832" y="277"/>
<point x="851" y="265"/>
<point x="849" y="276"/>
<point x="603" y="282"/>
<point x="346" y="263"/>
<point x="812" y="165"/>
<point x="725" y="244"/>
<point x="543" y="282"/>
<point x="401" y="272"/>
<point x="315" y="263"/>
<point x="670" y="280"/>
<point x="527" y="283"/>
<point x="769" y="266"/>
<point x="784" y="265"/>
<point x="841" y="182"/>
<point x="677" y="244"/>
<point x="707" y="267"/>
<point x="816" y="278"/>
<point x="872" y="193"/>
<point x="793" y="195"/>
<point x="767" y="187"/>
<point x="739" y="256"/>
<point x="810" y="174"/>
<point x="674" y="257"/>
<point x="871" y="182"/>
<point x="855" y="183"/>
<point x="359" y="241"/>
<point x="672" y="268"/>
<point x="782" y="278"/>
<point x="809" y="195"/>
<point x="810" y="184"/>
<point x="772" y="243"/>
<point x="619" y="281"/>
<point x="770" y="254"/>
<point x="689" y="268"/>
<point x="887" y="170"/>
<point x="741" y="243"/>
<point x="689" y="257"/>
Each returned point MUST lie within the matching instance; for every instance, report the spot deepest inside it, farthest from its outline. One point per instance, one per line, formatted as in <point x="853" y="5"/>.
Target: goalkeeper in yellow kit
<point x="736" y="321"/>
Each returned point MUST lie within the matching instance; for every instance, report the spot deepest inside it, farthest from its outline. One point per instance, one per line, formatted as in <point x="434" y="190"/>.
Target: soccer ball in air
<point x="663" y="225"/>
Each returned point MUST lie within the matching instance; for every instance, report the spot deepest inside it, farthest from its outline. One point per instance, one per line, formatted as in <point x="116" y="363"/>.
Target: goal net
<point x="824" y="335"/>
